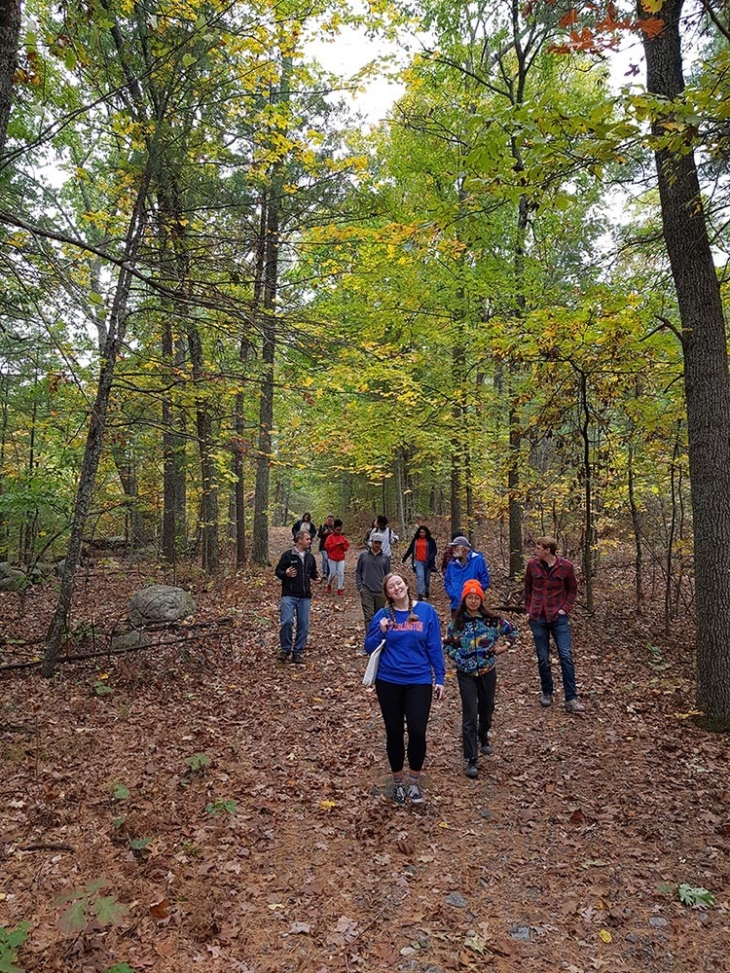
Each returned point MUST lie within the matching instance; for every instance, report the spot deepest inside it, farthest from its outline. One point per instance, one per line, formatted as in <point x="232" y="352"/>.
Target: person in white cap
<point x="464" y="566"/>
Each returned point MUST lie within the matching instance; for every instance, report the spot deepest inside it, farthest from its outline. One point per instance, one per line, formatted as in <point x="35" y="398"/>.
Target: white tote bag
<point x="372" y="668"/>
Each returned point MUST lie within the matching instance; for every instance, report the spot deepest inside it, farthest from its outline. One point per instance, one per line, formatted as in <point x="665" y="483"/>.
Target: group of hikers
<point x="406" y="632"/>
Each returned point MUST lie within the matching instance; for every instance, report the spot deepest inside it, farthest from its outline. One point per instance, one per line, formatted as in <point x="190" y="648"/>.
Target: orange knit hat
<point x="472" y="587"/>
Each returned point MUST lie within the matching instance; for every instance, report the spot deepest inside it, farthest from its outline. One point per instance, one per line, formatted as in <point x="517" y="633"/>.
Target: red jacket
<point x="336" y="546"/>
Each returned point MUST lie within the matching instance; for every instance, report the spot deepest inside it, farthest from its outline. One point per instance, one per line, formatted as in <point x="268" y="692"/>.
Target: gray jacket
<point x="370" y="571"/>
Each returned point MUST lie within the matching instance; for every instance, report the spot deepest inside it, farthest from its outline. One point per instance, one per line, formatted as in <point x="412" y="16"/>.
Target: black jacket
<point x="301" y="585"/>
<point x="431" y="551"/>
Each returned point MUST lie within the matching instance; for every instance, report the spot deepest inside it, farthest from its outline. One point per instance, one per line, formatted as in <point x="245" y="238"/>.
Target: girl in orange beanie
<point x="474" y="639"/>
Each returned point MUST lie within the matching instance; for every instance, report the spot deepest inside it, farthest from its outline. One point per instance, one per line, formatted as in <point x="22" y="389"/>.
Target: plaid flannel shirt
<point x="548" y="589"/>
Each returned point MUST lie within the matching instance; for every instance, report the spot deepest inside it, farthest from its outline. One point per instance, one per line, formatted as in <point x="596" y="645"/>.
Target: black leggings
<point x="409" y="703"/>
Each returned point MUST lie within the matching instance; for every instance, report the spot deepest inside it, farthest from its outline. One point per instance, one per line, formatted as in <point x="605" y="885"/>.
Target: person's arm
<point x="484" y="573"/>
<point x="358" y="572"/>
<point x="375" y="634"/>
<point x="387" y="563"/>
<point x="509" y="633"/>
<point x="528" y="588"/>
<point x="409" y="551"/>
<point x="282" y="566"/>
<point x="571" y="590"/>
<point x="313" y="573"/>
<point x="449" y="582"/>
<point x="435" y="653"/>
<point x="451" y="642"/>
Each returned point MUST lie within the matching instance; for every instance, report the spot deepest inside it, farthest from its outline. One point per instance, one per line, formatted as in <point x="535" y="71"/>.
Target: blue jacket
<point x="458" y="574"/>
<point x="412" y="654"/>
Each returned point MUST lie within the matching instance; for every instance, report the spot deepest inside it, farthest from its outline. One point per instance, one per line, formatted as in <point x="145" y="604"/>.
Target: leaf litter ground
<point x="232" y="813"/>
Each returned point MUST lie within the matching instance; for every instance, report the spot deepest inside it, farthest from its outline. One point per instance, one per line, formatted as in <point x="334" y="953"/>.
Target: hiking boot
<point x="546" y="699"/>
<point x="415" y="795"/>
<point x="399" y="795"/>
<point x="283" y="656"/>
<point x="486" y="749"/>
<point x="329" y="589"/>
<point x="471" y="768"/>
<point x="297" y="659"/>
<point x="340" y="591"/>
<point x="574" y="706"/>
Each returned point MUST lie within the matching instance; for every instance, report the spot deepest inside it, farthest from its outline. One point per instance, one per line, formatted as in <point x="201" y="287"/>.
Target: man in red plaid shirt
<point x="550" y="592"/>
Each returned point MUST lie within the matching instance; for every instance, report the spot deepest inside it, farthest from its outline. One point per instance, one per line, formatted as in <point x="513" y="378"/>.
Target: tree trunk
<point x="707" y="383"/>
<point x="208" y="524"/>
<point x="272" y="245"/>
<point x="174" y="487"/>
<point x="9" y="35"/>
<point x="95" y="437"/>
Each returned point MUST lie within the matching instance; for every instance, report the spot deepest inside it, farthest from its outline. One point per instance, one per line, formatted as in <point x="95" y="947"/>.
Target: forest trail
<point x="284" y="853"/>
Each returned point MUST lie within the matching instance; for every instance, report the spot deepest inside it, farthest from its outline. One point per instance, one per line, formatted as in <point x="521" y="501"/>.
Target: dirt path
<point x="283" y="853"/>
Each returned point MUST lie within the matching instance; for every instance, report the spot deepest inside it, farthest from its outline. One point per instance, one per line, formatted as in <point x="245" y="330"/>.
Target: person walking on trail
<point x="370" y="571"/>
<point x="336" y="545"/>
<point x="465" y="565"/>
<point x="389" y="535"/>
<point x="550" y="592"/>
<point x="305" y="523"/>
<point x="422" y="552"/>
<point x="325" y="528"/>
<point x="296" y="570"/>
<point x="474" y="639"/>
<point x="411" y="673"/>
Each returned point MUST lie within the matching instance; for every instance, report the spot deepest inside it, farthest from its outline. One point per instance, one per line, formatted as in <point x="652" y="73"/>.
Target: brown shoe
<point x="574" y="706"/>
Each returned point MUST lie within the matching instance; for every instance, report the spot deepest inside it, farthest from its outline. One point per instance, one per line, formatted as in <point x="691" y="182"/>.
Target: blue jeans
<point x="336" y="577"/>
<point x="325" y="563"/>
<point x="291" y="607"/>
<point x="423" y="577"/>
<point x="560" y="631"/>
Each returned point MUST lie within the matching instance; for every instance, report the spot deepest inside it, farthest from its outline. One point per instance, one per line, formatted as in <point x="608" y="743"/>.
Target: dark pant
<point x="560" y="631"/>
<point x="409" y="703"/>
<point x="477" y="707"/>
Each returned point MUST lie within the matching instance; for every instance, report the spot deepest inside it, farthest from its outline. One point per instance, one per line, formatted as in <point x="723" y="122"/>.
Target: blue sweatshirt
<point x="412" y="654"/>
<point x="457" y="574"/>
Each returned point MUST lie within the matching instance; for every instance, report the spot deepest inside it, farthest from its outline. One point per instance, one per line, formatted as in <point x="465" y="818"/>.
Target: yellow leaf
<point x="443" y="824"/>
<point x="327" y="805"/>
<point x="605" y="935"/>
<point x="275" y="905"/>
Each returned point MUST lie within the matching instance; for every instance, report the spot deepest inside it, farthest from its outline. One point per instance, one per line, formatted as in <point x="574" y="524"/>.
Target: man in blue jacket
<point x="296" y="570"/>
<point x="464" y="566"/>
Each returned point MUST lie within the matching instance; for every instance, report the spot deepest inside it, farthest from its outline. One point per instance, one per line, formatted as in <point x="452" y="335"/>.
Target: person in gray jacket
<point x="370" y="571"/>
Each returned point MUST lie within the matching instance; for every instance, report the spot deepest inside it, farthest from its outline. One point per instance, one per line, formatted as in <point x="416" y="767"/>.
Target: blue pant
<point x="291" y="607"/>
<point x="325" y="563"/>
<point x="423" y="577"/>
<point x="560" y="631"/>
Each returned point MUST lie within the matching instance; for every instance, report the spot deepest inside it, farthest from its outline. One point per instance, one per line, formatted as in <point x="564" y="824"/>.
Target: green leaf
<point x="109" y="911"/>
<point x="120" y="792"/>
<point x="691" y="896"/>
<point x="198" y="761"/>
<point x="16" y="937"/>
<point x="73" y="920"/>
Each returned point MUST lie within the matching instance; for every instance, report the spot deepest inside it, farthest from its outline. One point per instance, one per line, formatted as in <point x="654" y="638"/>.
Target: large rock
<point x="159" y="603"/>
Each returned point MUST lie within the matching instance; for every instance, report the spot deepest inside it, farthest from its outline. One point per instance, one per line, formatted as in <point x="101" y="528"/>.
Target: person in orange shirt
<point x="422" y="552"/>
<point x="336" y="545"/>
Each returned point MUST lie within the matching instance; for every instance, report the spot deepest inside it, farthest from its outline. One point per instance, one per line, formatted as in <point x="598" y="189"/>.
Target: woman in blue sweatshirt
<point x="411" y="672"/>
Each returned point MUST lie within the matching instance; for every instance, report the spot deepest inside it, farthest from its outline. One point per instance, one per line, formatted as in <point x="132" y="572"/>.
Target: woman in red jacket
<point x="336" y="545"/>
